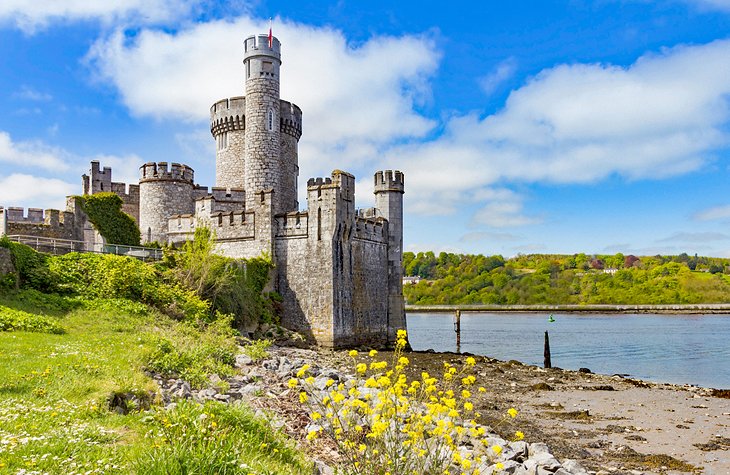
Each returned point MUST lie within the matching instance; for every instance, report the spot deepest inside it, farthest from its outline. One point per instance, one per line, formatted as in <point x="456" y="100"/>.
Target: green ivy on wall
<point x="105" y="213"/>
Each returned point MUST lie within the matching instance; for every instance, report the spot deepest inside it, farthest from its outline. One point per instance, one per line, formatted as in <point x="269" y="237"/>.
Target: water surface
<point x="693" y="349"/>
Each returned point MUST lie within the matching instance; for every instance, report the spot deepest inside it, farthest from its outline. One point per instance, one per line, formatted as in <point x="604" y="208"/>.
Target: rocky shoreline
<point x="574" y="422"/>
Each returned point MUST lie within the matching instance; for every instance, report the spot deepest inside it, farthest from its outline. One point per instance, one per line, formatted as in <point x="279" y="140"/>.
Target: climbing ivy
<point x="105" y="213"/>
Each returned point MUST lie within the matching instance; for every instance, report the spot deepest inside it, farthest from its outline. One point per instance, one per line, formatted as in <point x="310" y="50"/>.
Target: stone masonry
<point x="338" y="269"/>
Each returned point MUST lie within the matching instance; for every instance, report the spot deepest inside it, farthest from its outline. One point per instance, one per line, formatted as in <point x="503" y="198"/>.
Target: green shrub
<point x="232" y="286"/>
<point x="17" y="320"/>
<point x="256" y="350"/>
<point x="31" y="265"/>
<point x="103" y="276"/>
<point x="105" y="213"/>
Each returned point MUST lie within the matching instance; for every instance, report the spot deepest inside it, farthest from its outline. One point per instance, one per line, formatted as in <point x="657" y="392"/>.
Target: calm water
<point x="679" y="349"/>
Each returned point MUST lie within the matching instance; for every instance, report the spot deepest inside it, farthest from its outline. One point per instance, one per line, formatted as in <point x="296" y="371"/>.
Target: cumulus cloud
<point x="356" y="99"/>
<point x="32" y="154"/>
<point x="664" y="115"/>
<point x="31" y="16"/>
<point x="34" y="192"/>
<point x="503" y="72"/>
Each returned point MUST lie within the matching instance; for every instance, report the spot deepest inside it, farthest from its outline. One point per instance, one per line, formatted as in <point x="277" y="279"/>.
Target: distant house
<point x="411" y="279"/>
<point x="610" y="270"/>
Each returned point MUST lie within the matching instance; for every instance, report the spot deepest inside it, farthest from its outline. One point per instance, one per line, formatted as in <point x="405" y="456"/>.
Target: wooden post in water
<point x="547" y="364"/>
<point x="457" y="329"/>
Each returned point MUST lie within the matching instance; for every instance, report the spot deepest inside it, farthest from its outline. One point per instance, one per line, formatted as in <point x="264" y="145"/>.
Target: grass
<point x="56" y="388"/>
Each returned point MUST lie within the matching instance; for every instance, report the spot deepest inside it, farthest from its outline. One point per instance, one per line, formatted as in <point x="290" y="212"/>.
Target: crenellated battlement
<point x="228" y="115"/>
<point x="291" y="119"/>
<point x="38" y="222"/>
<point x="290" y="225"/>
<point x="162" y="171"/>
<point x="319" y="181"/>
<point x="389" y="180"/>
<point x="371" y="229"/>
<point x="258" y="45"/>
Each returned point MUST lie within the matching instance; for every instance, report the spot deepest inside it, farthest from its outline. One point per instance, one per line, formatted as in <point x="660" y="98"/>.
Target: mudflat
<point x="610" y="424"/>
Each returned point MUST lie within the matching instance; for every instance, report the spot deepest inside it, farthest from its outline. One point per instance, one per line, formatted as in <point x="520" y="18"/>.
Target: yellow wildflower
<point x="512" y="412"/>
<point x="519" y="435"/>
<point x="292" y="383"/>
<point x="352" y="353"/>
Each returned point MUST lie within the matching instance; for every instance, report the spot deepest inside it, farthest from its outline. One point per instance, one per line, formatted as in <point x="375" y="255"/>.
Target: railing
<point x="64" y="246"/>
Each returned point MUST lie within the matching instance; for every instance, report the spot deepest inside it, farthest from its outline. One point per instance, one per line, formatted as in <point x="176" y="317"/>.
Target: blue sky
<point x="530" y="126"/>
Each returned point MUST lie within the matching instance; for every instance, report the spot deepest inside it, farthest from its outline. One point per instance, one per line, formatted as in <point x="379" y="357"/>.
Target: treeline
<point x="565" y="279"/>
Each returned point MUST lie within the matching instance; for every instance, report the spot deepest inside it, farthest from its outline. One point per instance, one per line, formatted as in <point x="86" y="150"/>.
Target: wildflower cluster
<point x="384" y="423"/>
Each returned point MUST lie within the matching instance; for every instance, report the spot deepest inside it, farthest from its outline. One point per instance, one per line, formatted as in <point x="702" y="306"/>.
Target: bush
<point x="232" y="286"/>
<point x="105" y="213"/>
<point x="17" y="320"/>
<point x="31" y="265"/>
<point x="104" y="276"/>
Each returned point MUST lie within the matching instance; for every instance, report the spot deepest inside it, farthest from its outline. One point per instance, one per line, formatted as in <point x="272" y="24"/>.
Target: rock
<point x="518" y="450"/>
<point x="222" y="397"/>
<point x="544" y="460"/>
<point x="243" y="360"/>
<point x="537" y="448"/>
<point x="574" y="467"/>
<point x="321" y="468"/>
<point x="181" y="389"/>
<point x="585" y="370"/>
<point x="214" y="379"/>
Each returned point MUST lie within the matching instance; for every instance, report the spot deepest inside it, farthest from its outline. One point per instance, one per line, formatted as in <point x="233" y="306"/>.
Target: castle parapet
<point x="291" y="225"/>
<point x="50" y="223"/>
<point x="152" y="171"/>
<point x="258" y="45"/>
<point x="371" y="229"/>
<point x="389" y="180"/>
<point x="227" y="115"/>
<point x="291" y="119"/>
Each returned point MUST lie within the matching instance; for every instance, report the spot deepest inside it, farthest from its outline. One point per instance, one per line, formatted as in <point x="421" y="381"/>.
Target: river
<point x="679" y="349"/>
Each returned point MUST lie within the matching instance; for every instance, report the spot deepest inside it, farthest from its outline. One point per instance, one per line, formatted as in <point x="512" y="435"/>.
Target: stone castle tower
<point x="338" y="269"/>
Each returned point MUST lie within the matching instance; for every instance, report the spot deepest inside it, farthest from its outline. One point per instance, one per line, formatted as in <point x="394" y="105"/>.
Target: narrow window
<point x="319" y="224"/>
<point x="248" y="69"/>
<point x="271" y="120"/>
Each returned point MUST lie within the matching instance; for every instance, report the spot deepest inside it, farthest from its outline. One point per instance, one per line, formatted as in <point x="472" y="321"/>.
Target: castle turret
<point x="228" y="124"/>
<point x="389" y="189"/>
<point x="262" y="60"/>
<point x="164" y="191"/>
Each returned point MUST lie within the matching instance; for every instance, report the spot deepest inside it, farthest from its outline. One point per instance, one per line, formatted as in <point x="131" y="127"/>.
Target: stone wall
<point x="50" y="223"/>
<point x="6" y="262"/>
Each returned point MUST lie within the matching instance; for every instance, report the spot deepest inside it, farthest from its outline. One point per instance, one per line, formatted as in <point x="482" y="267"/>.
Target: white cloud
<point x="713" y="214"/>
<point x="503" y="72"/>
<point x="32" y="154"/>
<point x="31" y="94"/>
<point x="34" y="192"/>
<point x="664" y="115"/>
<point x="356" y="101"/>
<point x="31" y="16"/>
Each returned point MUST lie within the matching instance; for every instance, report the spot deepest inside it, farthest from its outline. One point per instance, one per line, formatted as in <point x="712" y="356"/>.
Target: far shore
<point x="684" y="309"/>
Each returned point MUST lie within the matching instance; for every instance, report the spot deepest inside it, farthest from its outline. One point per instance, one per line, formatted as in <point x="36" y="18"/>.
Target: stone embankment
<point x="263" y="385"/>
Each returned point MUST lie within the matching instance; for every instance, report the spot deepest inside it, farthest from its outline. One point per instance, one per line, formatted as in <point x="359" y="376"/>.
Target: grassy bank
<point x="79" y="400"/>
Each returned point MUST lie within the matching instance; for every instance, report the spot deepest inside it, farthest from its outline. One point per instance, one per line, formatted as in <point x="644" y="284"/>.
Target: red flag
<point x="271" y="37"/>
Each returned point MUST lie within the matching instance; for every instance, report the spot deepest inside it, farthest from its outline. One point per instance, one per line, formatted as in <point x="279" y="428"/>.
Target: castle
<point x="338" y="269"/>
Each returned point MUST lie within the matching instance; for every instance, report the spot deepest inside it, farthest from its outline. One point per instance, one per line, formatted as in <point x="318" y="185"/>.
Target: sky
<point x="521" y="127"/>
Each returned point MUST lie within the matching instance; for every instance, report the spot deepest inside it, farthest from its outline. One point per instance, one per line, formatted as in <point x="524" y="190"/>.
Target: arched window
<point x="270" y="120"/>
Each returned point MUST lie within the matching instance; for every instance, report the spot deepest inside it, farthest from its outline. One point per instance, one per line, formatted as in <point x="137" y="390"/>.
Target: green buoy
<point x="551" y="319"/>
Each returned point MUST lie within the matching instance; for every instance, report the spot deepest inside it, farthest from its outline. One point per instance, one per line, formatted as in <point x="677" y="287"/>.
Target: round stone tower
<point x="227" y="124"/>
<point x="163" y="191"/>
<point x="262" y="61"/>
